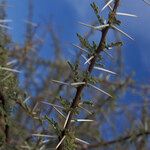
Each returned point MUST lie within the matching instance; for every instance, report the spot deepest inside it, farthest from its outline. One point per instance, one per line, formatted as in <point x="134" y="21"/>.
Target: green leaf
<point x="96" y="11"/>
<point x="54" y="125"/>
<point x="114" y="44"/>
<point x="88" y="103"/>
<point x="70" y="65"/>
<point x="85" y="43"/>
<point x="64" y="103"/>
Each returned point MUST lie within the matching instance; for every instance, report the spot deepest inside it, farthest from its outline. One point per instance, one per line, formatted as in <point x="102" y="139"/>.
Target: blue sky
<point x="65" y="14"/>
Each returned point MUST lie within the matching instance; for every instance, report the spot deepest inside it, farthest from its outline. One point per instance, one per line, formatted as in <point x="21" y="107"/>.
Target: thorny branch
<point x="100" y="48"/>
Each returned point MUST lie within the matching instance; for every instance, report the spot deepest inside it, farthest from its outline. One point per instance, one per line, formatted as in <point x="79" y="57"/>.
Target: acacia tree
<point x="65" y="104"/>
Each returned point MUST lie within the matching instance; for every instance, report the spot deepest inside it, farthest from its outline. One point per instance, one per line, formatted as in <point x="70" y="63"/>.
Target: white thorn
<point x="122" y="14"/>
<point x="44" y="135"/>
<point x="31" y="23"/>
<point x="77" y="83"/>
<point x="95" y="27"/>
<point x="122" y="32"/>
<point x="60" y="82"/>
<point x="108" y="53"/>
<point x="82" y="120"/>
<point x="60" y="142"/>
<point x="42" y="147"/>
<point x="4" y="26"/>
<point x="88" y="61"/>
<point x="99" y="90"/>
<point x="80" y="48"/>
<point x="87" y="25"/>
<point x="85" y="110"/>
<point x="11" y="62"/>
<point x="45" y="141"/>
<point x="59" y="112"/>
<point x="98" y="68"/>
<point x="101" y="27"/>
<point x="68" y="84"/>
<point x="105" y="70"/>
<point x="35" y="107"/>
<point x="107" y="4"/>
<point x="48" y="103"/>
<point x="66" y="119"/>
<point x="26" y="99"/>
<point x="85" y="58"/>
<point x="110" y="7"/>
<point x="9" y="69"/>
<point x="5" y="20"/>
<point x="82" y="141"/>
<point x="126" y="14"/>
